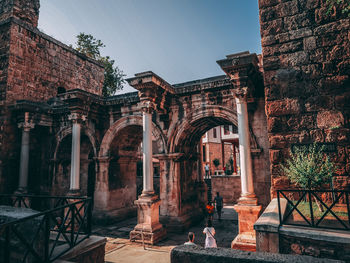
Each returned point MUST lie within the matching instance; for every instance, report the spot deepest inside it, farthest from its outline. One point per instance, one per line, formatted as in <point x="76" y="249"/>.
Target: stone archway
<point x="116" y="181"/>
<point x="61" y="161"/>
<point x="183" y="192"/>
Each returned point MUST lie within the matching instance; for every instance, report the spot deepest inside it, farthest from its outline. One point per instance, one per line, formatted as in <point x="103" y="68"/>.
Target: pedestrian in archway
<point x="218" y="200"/>
<point x="207" y="169"/>
<point x="209" y="231"/>
<point x="210" y="211"/>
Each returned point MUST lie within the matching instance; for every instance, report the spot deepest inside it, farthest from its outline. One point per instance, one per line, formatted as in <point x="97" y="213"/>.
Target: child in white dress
<point x="209" y="231"/>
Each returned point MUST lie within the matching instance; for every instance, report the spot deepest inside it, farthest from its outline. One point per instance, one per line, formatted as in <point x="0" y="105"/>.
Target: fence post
<point x="279" y="206"/>
<point x="311" y="208"/>
<point x="7" y="245"/>
<point x="72" y="225"/>
<point x="89" y="216"/>
<point x="47" y="237"/>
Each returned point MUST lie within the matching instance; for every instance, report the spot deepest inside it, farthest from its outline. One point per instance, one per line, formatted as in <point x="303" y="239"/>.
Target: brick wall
<point x="39" y="65"/>
<point x="306" y="60"/>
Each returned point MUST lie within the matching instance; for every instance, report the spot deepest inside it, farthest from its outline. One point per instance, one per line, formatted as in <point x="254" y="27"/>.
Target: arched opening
<point x="62" y="167"/>
<point x="190" y="191"/>
<point x="125" y="176"/>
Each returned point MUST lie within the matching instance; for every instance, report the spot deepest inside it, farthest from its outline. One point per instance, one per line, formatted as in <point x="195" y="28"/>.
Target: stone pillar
<point x="101" y="194"/>
<point x="147" y="150"/>
<point x="76" y="119"/>
<point x="247" y="195"/>
<point x="24" y="159"/>
<point x="247" y="208"/>
<point x="148" y="228"/>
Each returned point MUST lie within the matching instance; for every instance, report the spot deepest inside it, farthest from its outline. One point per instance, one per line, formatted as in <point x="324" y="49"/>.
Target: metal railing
<point x="59" y="224"/>
<point x="327" y="209"/>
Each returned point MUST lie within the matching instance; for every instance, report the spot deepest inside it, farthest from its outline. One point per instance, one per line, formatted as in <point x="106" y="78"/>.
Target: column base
<point x="73" y="192"/>
<point x="21" y="191"/>
<point x="245" y="241"/>
<point x="148" y="229"/>
<point x="247" y="216"/>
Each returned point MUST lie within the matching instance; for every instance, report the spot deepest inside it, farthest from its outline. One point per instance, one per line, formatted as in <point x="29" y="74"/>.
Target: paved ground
<point x="120" y="249"/>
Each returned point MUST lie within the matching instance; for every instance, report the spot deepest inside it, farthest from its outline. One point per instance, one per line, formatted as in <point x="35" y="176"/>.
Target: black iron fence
<point x="50" y="226"/>
<point x="315" y="208"/>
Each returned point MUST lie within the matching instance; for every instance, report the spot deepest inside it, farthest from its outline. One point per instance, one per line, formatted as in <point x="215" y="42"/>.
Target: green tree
<point x="308" y="167"/>
<point x="345" y="6"/>
<point x="113" y="76"/>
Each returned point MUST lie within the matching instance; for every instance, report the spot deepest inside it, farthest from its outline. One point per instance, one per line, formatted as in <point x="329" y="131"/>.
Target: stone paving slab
<point x="120" y="249"/>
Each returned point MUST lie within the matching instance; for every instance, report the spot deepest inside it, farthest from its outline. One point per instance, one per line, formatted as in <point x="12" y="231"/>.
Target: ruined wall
<point x="33" y="66"/>
<point x="306" y="60"/>
<point x="229" y="187"/>
<point x="39" y="65"/>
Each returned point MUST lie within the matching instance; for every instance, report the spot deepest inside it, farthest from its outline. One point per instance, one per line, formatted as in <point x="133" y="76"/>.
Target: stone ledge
<point x="335" y="236"/>
<point x="194" y="254"/>
<point x="269" y="220"/>
<point x="89" y="247"/>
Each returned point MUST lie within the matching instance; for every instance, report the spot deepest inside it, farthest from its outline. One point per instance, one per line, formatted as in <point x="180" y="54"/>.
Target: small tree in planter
<point x="309" y="168"/>
<point x="216" y="163"/>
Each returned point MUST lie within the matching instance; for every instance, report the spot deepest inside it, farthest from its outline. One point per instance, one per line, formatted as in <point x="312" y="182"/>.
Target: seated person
<point x="190" y="239"/>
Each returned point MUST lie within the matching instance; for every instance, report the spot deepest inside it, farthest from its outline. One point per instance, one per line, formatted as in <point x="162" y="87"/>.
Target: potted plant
<point x="216" y="163"/>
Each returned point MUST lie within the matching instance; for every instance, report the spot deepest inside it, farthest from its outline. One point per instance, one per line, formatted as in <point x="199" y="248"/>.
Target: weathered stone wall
<point x="194" y="254"/>
<point x="315" y="248"/>
<point x="229" y="187"/>
<point x="306" y="60"/>
<point x="33" y="66"/>
<point x="39" y="65"/>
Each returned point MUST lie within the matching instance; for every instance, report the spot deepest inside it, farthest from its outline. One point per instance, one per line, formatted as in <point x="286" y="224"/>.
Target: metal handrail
<point x="311" y="220"/>
<point x="73" y="226"/>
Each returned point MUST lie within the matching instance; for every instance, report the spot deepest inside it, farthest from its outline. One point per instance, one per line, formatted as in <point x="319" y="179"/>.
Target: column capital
<point x="241" y="94"/>
<point x="147" y="106"/>
<point x="77" y="117"/>
<point x="26" y="126"/>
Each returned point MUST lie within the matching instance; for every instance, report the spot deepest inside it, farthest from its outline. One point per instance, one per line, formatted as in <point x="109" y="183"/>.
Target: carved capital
<point x="147" y="106"/>
<point x="241" y="94"/>
<point x="26" y="126"/>
<point x="76" y="117"/>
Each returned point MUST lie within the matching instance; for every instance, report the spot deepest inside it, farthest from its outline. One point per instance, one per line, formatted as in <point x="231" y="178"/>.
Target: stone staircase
<point x="209" y="193"/>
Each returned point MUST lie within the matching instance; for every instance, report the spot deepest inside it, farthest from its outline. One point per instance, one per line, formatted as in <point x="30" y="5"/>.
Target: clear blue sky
<point x="180" y="40"/>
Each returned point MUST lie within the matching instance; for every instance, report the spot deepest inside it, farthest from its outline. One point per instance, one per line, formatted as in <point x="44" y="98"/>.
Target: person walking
<point x="190" y="239"/>
<point x="209" y="231"/>
<point x="218" y="200"/>
<point x="207" y="169"/>
<point x="210" y="211"/>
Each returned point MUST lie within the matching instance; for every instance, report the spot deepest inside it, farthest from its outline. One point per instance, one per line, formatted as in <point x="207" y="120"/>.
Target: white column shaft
<point x="75" y="158"/>
<point x="244" y="149"/>
<point x="24" y="161"/>
<point x="147" y="154"/>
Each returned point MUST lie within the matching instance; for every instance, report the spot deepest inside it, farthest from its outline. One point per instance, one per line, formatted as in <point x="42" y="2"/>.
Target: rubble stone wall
<point x="306" y="61"/>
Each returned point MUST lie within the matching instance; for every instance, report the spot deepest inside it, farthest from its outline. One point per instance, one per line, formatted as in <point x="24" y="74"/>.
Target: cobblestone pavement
<point x="120" y="249"/>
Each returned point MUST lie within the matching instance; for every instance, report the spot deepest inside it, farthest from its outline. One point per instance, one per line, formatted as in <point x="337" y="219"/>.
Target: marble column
<point x="147" y="153"/>
<point x="76" y="119"/>
<point x="247" y="208"/>
<point x="247" y="195"/>
<point x="24" y="159"/>
<point x="148" y="229"/>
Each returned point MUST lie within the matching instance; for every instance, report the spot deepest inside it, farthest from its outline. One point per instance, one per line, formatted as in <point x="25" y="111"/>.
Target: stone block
<point x="288" y="8"/>
<point x="282" y="107"/>
<point x="330" y="119"/>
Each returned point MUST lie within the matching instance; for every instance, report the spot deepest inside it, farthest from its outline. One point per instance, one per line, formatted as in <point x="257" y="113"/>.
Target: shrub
<point x="309" y="167"/>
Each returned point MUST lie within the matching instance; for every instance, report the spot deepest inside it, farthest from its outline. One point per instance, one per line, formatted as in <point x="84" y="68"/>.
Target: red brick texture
<point x="306" y="58"/>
